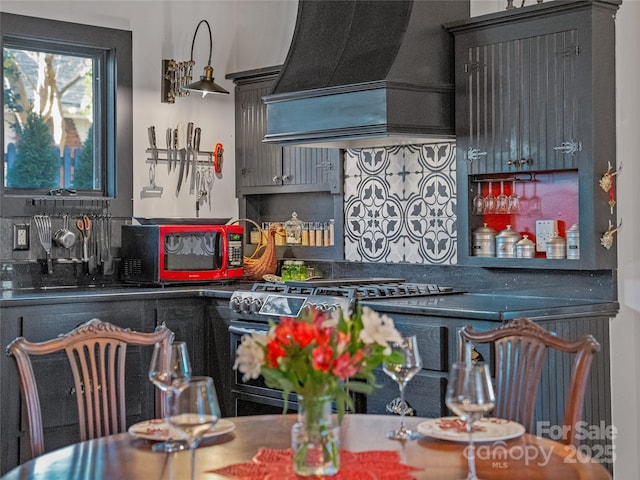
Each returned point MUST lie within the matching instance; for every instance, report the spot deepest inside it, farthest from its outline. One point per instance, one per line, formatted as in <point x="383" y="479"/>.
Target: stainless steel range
<point x="269" y="301"/>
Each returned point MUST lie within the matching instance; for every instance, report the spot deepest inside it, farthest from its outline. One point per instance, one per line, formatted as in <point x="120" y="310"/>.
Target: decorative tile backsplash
<point x="400" y="203"/>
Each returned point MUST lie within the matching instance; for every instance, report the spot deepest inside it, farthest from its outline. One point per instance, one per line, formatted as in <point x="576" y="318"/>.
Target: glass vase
<point x="315" y="438"/>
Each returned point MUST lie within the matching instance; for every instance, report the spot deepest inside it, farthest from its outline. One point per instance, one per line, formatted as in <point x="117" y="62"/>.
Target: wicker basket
<point x="264" y="260"/>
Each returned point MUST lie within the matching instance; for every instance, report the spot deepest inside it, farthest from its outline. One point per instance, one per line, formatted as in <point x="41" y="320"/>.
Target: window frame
<point x="114" y="136"/>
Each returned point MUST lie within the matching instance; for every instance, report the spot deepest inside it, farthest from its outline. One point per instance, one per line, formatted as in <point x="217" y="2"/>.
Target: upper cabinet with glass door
<point x="535" y="119"/>
<point x="66" y="98"/>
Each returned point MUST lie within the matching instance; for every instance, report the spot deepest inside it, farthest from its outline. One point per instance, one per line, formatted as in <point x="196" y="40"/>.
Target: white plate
<point x="158" y="429"/>
<point x="484" y="430"/>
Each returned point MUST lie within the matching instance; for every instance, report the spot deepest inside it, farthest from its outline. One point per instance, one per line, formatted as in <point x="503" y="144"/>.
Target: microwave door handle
<point x="221" y="251"/>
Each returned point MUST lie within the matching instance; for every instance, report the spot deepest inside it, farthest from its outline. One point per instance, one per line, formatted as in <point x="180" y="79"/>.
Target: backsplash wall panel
<point x="400" y="204"/>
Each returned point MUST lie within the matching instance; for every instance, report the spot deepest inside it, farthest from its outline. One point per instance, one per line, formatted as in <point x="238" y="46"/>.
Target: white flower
<point x="250" y="356"/>
<point x="378" y="329"/>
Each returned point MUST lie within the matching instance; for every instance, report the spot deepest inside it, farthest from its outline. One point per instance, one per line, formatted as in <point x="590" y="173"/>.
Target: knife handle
<point x="189" y="134"/>
<point x="196" y="139"/>
<point x="175" y="138"/>
<point x="152" y="136"/>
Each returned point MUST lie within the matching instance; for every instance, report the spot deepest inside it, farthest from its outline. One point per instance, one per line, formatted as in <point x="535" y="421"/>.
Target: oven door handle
<point x="247" y="331"/>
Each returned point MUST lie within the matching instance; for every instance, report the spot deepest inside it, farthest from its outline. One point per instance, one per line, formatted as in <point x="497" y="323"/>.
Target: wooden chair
<point x="96" y="351"/>
<point x="520" y="350"/>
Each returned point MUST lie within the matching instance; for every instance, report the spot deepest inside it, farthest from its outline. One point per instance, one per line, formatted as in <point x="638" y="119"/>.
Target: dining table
<point x="252" y="442"/>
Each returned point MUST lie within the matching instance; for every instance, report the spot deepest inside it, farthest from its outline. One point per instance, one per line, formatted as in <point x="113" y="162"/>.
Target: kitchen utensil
<point x="63" y="236"/>
<point x="217" y="158"/>
<point x="209" y="182"/>
<point x="84" y="226"/>
<point x="169" y="138"/>
<point x="43" y="225"/>
<point x="93" y="247"/>
<point x="152" y="190"/>
<point x="107" y="268"/>
<point x="194" y="159"/>
<point x="189" y="151"/>
<point x="183" y="157"/>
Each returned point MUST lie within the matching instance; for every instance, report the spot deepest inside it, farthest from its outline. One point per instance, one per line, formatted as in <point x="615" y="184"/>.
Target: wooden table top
<point x="123" y="456"/>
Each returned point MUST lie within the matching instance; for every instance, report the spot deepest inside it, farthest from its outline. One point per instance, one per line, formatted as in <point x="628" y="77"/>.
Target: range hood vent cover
<point x="365" y="73"/>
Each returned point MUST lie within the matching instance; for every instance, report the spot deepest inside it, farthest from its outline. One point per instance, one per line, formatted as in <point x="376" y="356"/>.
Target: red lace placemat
<point x="270" y="464"/>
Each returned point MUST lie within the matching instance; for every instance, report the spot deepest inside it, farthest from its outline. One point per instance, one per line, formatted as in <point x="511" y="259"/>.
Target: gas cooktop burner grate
<point x="355" y="288"/>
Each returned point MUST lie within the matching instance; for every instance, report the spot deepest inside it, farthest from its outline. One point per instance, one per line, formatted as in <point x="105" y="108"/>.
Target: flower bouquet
<point x="322" y="357"/>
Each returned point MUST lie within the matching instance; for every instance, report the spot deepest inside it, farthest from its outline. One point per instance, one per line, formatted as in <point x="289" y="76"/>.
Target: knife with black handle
<point x="189" y="140"/>
<point x="194" y="159"/>
<point x="183" y="154"/>
<point x="169" y="138"/>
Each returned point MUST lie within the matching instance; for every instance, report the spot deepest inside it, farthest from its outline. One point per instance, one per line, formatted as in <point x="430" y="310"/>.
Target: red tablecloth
<point x="269" y="464"/>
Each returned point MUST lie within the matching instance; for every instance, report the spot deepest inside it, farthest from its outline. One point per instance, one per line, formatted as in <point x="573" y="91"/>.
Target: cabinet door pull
<point x="475" y="154"/>
<point x="569" y="148"/>
<point x="277" y="179"/>
<point x="520" y="162"/>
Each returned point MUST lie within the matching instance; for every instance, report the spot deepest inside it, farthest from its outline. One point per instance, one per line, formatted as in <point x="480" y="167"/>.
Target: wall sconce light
<point x="176" y="80"/>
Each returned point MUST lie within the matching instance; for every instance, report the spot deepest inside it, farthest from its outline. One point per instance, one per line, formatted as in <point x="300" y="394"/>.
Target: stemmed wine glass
<point x="514" y="199"/>
<point x="502" y="202"/>
<point x="169" y="370"/>
<point x="478" y="201"/>
<point x="470" y="395"/>
<point x="194" y="411"/>
<point x="402" y="365"/>
<point x="490" y="200"/>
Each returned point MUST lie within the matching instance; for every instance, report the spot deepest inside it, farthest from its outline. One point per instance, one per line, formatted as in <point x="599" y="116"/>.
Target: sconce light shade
<point x="206" y="83"/>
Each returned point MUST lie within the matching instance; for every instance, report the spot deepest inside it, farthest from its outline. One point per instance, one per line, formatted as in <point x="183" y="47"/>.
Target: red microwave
<point x="176" y="253"/>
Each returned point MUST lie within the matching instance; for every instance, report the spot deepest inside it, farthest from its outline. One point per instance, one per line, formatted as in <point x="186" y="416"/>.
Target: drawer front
<point x="424" y="393"/>
<point x="432" y="344"/>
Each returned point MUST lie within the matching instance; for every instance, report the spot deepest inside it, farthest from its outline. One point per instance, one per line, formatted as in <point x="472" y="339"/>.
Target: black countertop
<point x="493" y="306"/>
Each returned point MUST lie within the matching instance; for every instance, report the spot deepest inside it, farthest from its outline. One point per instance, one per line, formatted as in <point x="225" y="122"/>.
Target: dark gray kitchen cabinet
<point x="437" y="338"/>
<point x="535" y="105"/>
<point x="265" y="168"/>
<point x="57" y="397"/>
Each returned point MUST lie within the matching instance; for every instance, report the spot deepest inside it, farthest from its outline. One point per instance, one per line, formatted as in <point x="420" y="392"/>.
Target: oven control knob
<point x="245" y="306"/>
<point x="323" y="307"/>
<point x="255" y="305"/>
<point x="234" y="304"/>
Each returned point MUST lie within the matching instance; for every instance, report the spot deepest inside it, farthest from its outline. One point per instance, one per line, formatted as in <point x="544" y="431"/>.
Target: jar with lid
<point x="483" y="242"/>
<point x="573" y="242"/>
<point x="299" y="270"/>
<point x="319" y="234"/>
<point x="293" y="230"/>
<point x="525" y="248"/>
<point x="556" y="246"/>
<point x="305" y="234"/>
<point x="287" y="270"/>
<point x="506" y="243"/>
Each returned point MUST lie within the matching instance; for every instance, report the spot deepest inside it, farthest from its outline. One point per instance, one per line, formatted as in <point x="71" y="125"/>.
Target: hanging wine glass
<point x="402" y="366"/>
<point x="535" y="203"/>
<point x="194" y="411"/>
<point x="169" y="370"/>
<point x="502" y="201"/>
<point x="478" y="201"/>
<point x="514" y="200"/>
<point x="490" y="200"/>
<point x="470" y="395"/>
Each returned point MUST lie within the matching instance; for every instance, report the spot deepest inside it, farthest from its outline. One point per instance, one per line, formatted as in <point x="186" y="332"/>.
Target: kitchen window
<point x="67" y="95"/>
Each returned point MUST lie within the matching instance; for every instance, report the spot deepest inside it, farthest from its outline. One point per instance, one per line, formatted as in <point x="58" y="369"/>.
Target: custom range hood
<point x="363" y="73"/>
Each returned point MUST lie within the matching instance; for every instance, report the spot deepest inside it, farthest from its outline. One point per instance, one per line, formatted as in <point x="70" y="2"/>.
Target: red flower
<point x="322" y="357"/>
<point x="274" y="352"/>
<point x="347" y="366"/>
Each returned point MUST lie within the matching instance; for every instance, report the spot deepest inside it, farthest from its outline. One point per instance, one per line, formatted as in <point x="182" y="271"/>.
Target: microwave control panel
<point x="235" y="255"/>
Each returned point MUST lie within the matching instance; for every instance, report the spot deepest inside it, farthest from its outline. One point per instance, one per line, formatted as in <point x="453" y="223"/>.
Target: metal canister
<point x="483" y="242"/>
<point x="573" y="242"/>
<point x="556" y="246"/>
<point x="525" y="248"/>
<point x="506" y="243"/>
